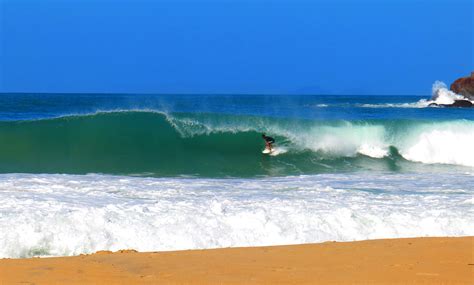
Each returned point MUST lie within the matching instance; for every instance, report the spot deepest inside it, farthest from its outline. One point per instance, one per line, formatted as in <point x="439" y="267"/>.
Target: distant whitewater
<point x="81" y="173"/>
<point x="440" y="95"/>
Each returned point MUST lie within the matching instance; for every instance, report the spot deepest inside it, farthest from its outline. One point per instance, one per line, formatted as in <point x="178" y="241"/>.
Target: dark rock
<point x="461" y="103"/>
<point x="457" y="103"/>
<point x="464" y="86"/>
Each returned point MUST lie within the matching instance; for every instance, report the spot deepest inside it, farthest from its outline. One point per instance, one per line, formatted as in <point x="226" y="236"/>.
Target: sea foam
<point x="440" y="95"/>
<point x="59" y="215"/>
<point x="442" y="142"/>
<point x="446" y="143"/>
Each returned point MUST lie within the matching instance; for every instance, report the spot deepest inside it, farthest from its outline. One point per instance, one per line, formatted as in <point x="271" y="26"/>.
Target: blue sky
<point x="257" y="47"/>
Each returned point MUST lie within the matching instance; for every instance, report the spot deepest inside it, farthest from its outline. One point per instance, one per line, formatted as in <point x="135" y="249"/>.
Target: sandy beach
<point x="391" y="261"/>
<point x="236" y="142"/>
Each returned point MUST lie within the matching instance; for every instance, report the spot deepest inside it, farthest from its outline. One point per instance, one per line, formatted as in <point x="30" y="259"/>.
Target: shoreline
<point x="430" y="260"/>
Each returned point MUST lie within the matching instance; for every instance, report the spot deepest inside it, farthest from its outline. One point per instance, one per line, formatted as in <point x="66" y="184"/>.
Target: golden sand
<point x="391" y="261"/>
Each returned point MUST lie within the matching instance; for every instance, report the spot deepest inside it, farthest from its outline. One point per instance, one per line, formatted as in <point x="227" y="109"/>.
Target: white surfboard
<point x="275" y="151"/>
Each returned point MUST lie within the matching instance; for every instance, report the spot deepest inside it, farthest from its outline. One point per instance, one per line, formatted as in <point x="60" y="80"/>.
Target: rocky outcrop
<point x="457" y="103"/>
<point x="464" y="86"/>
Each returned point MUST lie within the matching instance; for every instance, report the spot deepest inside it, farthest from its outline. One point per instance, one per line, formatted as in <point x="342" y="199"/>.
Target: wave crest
<point x="164" y="144"/>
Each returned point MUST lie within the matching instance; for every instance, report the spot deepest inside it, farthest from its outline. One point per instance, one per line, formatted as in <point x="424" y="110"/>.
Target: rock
<point x="464" y="86"/>
<point x="457" y="103"/>
<point x="460" y="103"/>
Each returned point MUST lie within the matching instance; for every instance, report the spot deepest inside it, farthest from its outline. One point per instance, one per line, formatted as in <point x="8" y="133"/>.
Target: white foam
<point x="68" y="215"/>
<point x="442" y="95"/>
<point x="373" y="151"/>
<point x="347" y="140"/>
<point x="423" y="103"/>
<point x="446" y="143"/>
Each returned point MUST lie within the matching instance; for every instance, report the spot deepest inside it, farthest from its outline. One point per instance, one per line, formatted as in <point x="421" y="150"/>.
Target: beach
<point x="236" y="142"/>
<point x="388" y="261"/>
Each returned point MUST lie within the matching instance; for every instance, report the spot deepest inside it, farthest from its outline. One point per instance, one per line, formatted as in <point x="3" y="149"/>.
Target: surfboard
<point x="275" y="151"/>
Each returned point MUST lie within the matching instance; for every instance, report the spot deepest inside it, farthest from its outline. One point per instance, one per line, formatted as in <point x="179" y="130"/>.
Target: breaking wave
<point x="440" y="95"/>
<point x="162" y="144"/>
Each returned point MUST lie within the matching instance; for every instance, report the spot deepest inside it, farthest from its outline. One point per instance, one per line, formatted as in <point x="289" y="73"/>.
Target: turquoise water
<point x="220" y="136"/>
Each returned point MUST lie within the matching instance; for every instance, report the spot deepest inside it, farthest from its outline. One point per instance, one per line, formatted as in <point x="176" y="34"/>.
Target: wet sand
<point x="391" y="261"/>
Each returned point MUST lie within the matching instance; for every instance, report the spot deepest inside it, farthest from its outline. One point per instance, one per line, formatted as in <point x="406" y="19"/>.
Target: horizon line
<point x="201" y="94"/>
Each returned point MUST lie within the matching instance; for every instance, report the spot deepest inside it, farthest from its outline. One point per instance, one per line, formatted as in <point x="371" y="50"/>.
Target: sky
<point x="373" y="47"/>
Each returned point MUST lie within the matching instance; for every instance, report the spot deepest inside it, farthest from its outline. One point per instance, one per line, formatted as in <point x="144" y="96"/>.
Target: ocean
<point x="86" y="172"/>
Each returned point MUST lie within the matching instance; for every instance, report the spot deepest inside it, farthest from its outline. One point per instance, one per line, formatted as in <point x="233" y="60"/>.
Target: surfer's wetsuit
<point x="268" y="141"/>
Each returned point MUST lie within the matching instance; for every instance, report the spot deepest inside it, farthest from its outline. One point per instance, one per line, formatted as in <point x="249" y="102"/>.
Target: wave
<point x="57" y="215"/>
<point x="440" y="95"/>
<point x="423" y="103"/>
<point x="147" y="142"/>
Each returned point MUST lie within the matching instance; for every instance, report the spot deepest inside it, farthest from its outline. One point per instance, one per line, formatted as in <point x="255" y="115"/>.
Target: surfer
<point x="268" y="142"/>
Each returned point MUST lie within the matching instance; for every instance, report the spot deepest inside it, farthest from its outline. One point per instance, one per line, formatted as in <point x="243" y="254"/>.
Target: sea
<point x="86" y="172"/>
